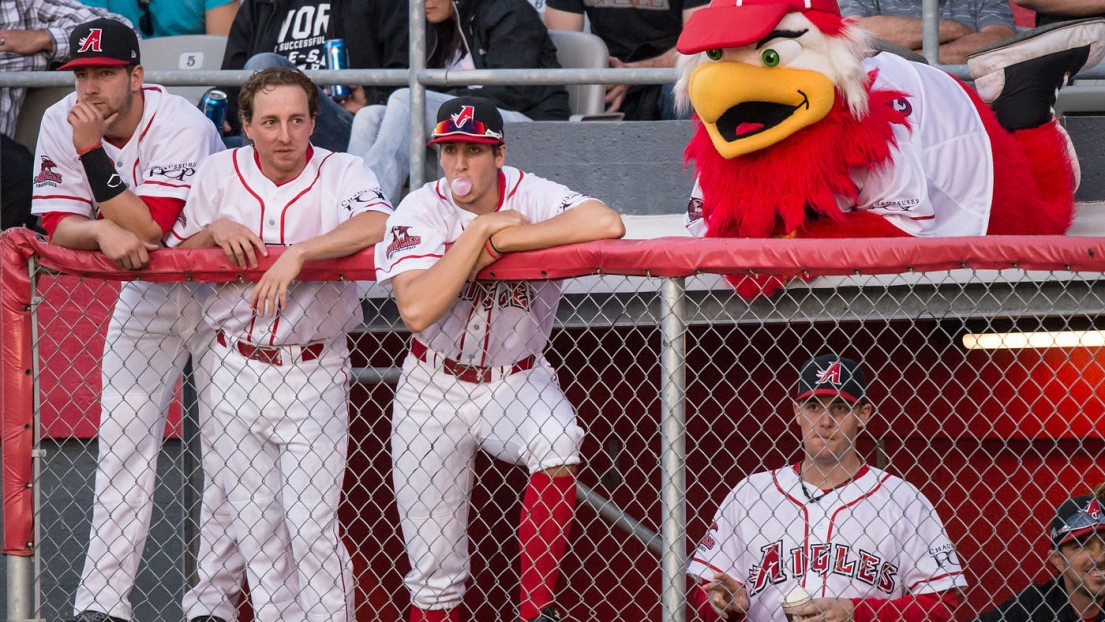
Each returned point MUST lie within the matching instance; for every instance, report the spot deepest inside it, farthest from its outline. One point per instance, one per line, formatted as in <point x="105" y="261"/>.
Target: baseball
<point x="793" y="599"/>
<point x="461" y="186"/>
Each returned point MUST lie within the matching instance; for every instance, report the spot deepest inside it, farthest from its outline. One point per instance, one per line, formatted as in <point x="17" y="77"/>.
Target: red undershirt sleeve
<point x="164" y="211"/>
<point x="700" y="599"/>
<point x="50" y="221"/>
<point x="938" y="607"/>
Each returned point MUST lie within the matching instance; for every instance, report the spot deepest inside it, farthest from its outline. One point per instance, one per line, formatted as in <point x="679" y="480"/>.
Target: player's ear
<point x="500" y="156"/>
<point x="1057" y="561"/>
<point x="864" y="412"/>
<point x="137" y="78"/>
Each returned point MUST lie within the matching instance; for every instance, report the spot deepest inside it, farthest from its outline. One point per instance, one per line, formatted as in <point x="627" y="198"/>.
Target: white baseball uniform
<point x="153" y="330"/>
<point x="922" y="189"/>
<point x="279" y="387"/>
<point x="476" y="379"/>
<point x="875" y="537"/>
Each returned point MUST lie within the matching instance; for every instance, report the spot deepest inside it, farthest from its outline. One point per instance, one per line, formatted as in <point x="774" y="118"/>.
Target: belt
<point x="471" y="373"/>
<point x="273" y="355"/>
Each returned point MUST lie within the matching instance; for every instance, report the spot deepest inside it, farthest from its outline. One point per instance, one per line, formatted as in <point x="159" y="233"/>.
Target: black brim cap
<point x="102" y="43"/>
<point x="831" y="375"/>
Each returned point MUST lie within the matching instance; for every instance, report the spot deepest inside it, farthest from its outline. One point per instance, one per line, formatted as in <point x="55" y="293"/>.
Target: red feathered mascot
<point x="803" y="130"/>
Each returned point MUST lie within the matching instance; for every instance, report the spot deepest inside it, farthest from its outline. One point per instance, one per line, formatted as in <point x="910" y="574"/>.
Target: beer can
<point x="213" y="105"/>
<point x="337" y="58"/>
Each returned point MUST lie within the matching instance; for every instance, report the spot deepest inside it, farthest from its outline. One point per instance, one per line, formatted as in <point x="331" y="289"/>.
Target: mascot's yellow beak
<point x="747" y="108"/>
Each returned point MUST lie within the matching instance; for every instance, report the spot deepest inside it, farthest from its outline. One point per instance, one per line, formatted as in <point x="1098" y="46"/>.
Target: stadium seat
<point x="581" y="50"/>
<point x="34" y="106"/>
<point x="184" y="53"/>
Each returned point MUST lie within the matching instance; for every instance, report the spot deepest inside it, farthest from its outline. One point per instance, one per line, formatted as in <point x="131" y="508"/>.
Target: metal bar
<point x="418" y="95"/>
<point x="429" y="77"/>
<point x="618" y="518"/>
<point x="930" y="30"/>
<point x="376" y="375"/>
<point x="673" y="487"/>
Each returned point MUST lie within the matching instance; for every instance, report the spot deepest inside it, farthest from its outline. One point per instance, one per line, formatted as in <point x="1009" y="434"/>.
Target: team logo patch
<point x="902" y="105"/>
<point x="364" y="198"/>
<point x="464" y="117"/>
<point x="176" y="172"/>
<point x="401" y="240"/>
<point x="1093" y="509"/>
<point x="47" y="176"/>
<point x="830" y="375"/>
<point x="900" y="205"/>
<point x="569" y="200"/>
<point x="92" y="42"/>
<point x="694" y="209"/>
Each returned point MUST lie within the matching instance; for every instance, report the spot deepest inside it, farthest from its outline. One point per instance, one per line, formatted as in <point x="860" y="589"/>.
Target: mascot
<point x="804" y="130"/>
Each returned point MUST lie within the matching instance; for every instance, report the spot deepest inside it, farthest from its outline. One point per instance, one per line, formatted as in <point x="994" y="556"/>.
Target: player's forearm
<point x="1072" y="8"/>
<point x="353" y="235"/>
<point x="131" y="213"/>
<point x="955" y="52"/>
<point x="424" y="297"/>
<point x="939" y="607"/>
<point x="79" y="233"/>
<point x="589" y="221"/>
<point x="555" y="19"/>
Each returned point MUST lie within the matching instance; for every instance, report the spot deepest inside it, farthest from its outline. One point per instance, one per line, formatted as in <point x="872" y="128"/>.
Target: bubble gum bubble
<point x="461" y="186"/>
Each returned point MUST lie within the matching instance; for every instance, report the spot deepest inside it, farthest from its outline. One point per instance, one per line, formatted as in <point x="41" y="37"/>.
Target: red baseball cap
<point x="736" y="23"/>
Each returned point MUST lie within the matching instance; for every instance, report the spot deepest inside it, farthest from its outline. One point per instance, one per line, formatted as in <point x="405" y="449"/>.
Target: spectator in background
<point x="638" y="35"/>
<point x="965" y="25"/>
<point x="168" y="18"/>
<point x="269" y="33"/>
<point x="33" y="35"/>
<point x="1077" y="592"/>
<point x="470" y="34"/>
<point x="1054" y="11"/>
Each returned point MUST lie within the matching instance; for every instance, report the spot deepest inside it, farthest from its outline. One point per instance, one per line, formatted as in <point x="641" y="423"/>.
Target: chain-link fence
<point x="683" y="389"/>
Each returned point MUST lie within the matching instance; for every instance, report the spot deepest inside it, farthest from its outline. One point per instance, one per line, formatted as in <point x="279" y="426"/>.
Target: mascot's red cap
<point x="736" y="23"/>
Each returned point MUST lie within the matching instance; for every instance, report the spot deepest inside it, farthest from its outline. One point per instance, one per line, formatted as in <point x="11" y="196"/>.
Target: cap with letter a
<point x="832" y="375"/>
<point x="1076" y="518"/>
<point x="102" y="43"/>
<point x="468" y="120"/>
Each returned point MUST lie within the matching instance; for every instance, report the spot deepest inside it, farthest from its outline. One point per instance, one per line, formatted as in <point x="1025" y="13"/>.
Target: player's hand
<point x="271" y="294"/>
<point x="25" y="42"/>
<point x="239" y="243"/>
<point x="827" y="610"/>
<point x="497" y="221"/>
<point x="615" y="93"/>
<point x="88" y="125"/>
<point x="727" y="596"/>
<point x="356" y="100"/>
<point x="122" y="247"/>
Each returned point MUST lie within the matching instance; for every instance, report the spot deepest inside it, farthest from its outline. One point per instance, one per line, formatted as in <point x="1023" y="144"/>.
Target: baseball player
<point x="1076" y="592"/>
<point x="116" y="159"/>
<point x="864" y="544"/>
<point x="280" y="369"/>
<point x="476" y="377"/>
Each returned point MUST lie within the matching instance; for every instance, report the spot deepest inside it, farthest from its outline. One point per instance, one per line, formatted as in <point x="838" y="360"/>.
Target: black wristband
<point x="493" y="247"/>
<point x="105" y="182"/>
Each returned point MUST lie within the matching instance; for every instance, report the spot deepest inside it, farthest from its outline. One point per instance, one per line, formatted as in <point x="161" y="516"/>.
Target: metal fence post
<point x="673" y="389"/>
<point x="418" y="95"/>
<point x="930" y="31"/>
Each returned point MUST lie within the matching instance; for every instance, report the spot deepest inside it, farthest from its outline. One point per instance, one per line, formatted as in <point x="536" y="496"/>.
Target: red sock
<point x="434" y="615"/>
<point x="547" y="512"/>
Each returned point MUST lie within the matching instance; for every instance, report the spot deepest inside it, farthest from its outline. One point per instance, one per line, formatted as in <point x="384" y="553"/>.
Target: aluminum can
<point x="337" y="58"/>
<point x="213" y="105"/>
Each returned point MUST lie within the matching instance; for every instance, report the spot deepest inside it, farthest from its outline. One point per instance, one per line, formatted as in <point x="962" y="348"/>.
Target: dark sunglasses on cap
<point x="472" y="127"/>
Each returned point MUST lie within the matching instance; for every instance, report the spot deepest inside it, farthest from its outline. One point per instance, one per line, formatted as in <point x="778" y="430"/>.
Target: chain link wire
<point x="994" y="439"/>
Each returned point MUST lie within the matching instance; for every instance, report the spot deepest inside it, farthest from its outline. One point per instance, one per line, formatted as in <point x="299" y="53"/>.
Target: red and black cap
<point x="102" y="43"/>
<point x="736" y="23"/>
<point x="832" y="375"/>
<point x="468" y="120"/>
<point x="1076" y="518"/>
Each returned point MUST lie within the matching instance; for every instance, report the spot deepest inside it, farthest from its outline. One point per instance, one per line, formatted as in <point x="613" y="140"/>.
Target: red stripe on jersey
<point x="161" y="183"/>
<point x="437" y="189"/>
<point x="284" y="212"/>
<point x="164" y="211"/>
<point x="805" y="513"/>
<point x="936" y="578"/>
<point x="46" y="197"/>
<point x="487" y="331"/>
<point x="710" y="566"/>
<point x="521" y="175"/>
<point x="922" y="217"/>
<point x="241" y="178"/>
<point x="272" y="331"/>
<point x="134" y="169"/>
<point x="252" y="321"/>
<point x="402" y="259"/>
<point x="502" y="190"/>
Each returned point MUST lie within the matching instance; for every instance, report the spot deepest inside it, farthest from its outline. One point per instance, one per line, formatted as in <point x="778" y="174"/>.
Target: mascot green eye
<point x="714" y="54"/>
<point x="770" y="58"/>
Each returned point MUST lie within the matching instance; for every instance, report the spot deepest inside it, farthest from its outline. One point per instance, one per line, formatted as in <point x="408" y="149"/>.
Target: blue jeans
<point x="333" y="124"/>
<point x="381" y="135"/>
